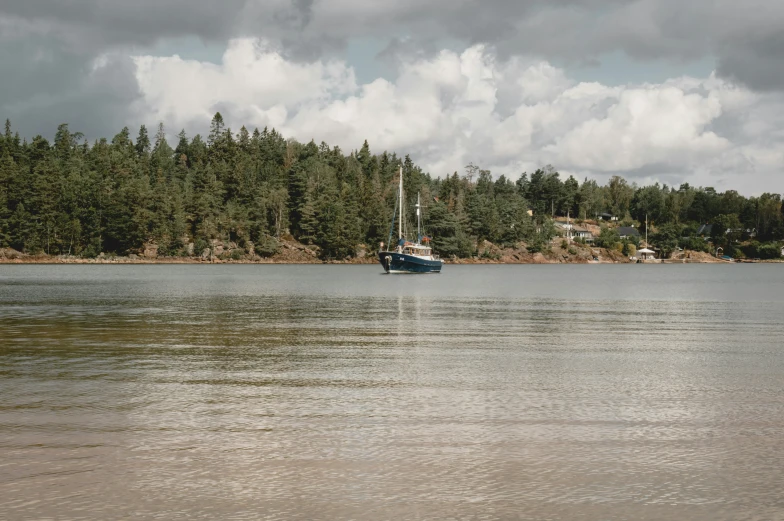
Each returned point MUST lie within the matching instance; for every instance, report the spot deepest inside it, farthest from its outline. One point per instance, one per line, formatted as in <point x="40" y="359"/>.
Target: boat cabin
<point x="414" y="249"/>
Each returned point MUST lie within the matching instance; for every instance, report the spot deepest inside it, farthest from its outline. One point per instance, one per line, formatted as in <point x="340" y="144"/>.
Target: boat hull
<point x="394" y="262"/>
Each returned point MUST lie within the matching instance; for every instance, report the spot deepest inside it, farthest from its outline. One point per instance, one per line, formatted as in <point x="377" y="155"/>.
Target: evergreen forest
<point x="256" y="188"/>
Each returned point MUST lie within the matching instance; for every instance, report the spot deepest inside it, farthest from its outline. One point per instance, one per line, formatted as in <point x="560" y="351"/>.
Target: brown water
<point x="335" y="392"/>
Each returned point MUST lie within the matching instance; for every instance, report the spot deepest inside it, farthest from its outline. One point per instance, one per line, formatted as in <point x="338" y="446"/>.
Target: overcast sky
<point x="654" y="90"/>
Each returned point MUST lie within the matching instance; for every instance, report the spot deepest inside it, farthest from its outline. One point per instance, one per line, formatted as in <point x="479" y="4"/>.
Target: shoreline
<point x="51" y="260"/>
<point x="296" y="254"/>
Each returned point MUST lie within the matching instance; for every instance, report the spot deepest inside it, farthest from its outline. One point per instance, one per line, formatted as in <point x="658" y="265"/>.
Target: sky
<point x="654" y="90"/>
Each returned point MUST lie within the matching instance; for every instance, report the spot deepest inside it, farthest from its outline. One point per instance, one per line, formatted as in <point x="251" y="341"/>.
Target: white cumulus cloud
<point x="643" y="126"/>
<point x="508" y="116"/>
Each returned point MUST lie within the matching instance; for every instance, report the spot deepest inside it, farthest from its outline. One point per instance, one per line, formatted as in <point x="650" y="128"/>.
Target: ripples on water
<point x="334" y="392"/>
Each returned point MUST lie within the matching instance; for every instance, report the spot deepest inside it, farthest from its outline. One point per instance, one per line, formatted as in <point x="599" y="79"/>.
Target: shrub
<point x="199" y="246"/>
<point x="757" y="250"/>
<point x="695" y="244"/>
<point x="608" y="238"/>
<point x="769" y="250"/>
<point x="536" y="246"/>
<point x="267" y="246"/>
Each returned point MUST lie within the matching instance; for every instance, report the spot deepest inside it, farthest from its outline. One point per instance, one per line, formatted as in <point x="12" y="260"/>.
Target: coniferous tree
<point x="255" y="189"/>
<point x="143" y="142"/>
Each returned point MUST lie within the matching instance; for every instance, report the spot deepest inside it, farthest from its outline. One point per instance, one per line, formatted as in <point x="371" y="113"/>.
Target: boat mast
<point x="400" y="195"/>
<point x="418" y="207"/>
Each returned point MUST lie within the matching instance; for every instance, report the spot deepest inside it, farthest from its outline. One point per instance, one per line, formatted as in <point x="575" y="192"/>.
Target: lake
<point x="320" y="392"/>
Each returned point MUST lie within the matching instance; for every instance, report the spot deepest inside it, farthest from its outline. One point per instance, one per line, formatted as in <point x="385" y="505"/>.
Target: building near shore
<point x="646" y="254"/>
<point x="626" y="232"/>
<point x="582" y="233"/>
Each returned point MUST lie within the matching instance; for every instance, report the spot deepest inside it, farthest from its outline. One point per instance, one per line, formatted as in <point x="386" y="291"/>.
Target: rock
<point x="133" y="256"/>
<point x="150" y="251"/>
<point x="189" y="249"/>
<point x="10" y="253"/>
<point x="205" y="254"/>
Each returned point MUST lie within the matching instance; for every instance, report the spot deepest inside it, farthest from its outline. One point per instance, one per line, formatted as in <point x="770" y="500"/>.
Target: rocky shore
<point x="292" y="252"/>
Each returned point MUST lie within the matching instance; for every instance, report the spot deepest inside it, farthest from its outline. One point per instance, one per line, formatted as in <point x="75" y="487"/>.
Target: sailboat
<point x="408" y="257"/>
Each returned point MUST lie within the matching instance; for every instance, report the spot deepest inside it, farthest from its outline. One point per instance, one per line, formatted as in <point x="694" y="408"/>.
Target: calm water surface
<point x="336" y="392"/>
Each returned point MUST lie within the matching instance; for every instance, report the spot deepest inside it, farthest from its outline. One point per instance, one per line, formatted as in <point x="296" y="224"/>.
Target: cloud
<point x="501" y="102"/>
<point x="46" y="85"/>
<point x="254" y="82"/>
<point x="645" y="125"/>
<point x="454" y="108"/>
<point x="86" y="25"/>
<point x="745" y="38"/>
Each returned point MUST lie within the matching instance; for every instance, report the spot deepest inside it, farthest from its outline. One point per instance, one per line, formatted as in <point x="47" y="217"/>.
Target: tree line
<point x="255" y="188"/>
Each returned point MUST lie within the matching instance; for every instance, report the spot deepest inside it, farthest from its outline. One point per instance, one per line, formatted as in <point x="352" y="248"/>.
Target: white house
<point x="582" y="233"/>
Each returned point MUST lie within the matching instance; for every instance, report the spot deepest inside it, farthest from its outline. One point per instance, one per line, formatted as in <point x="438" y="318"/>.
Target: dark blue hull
<point x="394" y="262"/>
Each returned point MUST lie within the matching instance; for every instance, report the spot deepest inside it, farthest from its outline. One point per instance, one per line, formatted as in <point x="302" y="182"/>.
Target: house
<point x="606" y="217"/>
<point x="563" y="226"/>
<point x="627" y="232"/>
<point x="705" y="230"/>
<point x="581" y="233"/>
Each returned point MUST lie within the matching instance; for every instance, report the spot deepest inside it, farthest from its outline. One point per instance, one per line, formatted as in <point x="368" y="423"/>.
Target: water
<point x="335" y="392"/>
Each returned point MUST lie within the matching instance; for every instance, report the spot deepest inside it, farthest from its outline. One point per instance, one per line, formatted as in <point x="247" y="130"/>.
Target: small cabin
<point x="582" y="233"/>
<point x="626" y="232"/>
<point x="705" y="230"/>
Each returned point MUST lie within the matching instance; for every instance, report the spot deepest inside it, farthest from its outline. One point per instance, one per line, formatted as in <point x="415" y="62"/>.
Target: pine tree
<point x="70" y="197"/>
<point x="8" y="173"/>
<point x="216" y="129"/>
<point x="143" y="142"/>
<point x="243" y="139"/>
<point x="183" y="148"/>
<point x="162" y="153"/>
